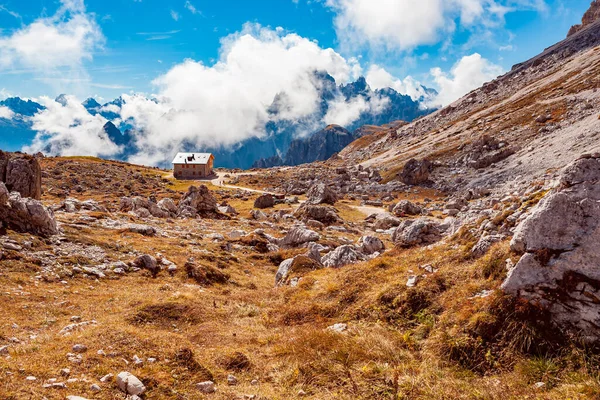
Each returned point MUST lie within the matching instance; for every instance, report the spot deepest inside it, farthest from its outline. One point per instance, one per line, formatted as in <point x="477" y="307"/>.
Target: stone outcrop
<point x="591" y="15"/>
<point x="22" y="174"/>
<point x="559" y="239"/>
<point x="487" y="151"/>
<point x="405" y="207"/>
<point x="264" y="201"/>
<point x="293" y="266"/>
<point x="418" y="232"/>
<point x="416" y="172"/>
<point x="321" y="194"/>
<point x="342" y="256"/>
<point x="370" y="245"/>
<point x="25" y="214"/>
<point x="198" y="201"/>
<point x="324" y="214"/>
<point x="298" y="236"/>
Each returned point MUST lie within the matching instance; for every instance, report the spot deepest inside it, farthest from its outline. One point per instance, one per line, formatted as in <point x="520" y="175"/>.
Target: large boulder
<point x="370" y="245"/>
<point x="406" y="207"/>
<point x="22" y="174"/>
<point x="26" y="214"/>
<point x="320" y="193"/>
<point x="343" y="255"/>
<point x="298" y="236"/>
<point x="264" y="201"/>
<point x="130" y="384"/>
<point x="291" y="267"/>
<point x="559" y="239"/>
<point x="418" y="232"/>
<point x="197" y="201"/>
<point x="416" y="172"/>
<point x="323" y="213"/>
<point x="148" y="263"/>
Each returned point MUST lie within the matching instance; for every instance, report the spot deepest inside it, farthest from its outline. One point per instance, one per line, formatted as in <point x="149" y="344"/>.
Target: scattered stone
<point x="343" y="255"/>
<point x="231" y="380"/>
<point x="412" y="281"/>
<point x="321" y="194"/>
<point x="207" y="387"/>
<point x="264" y="201"/>
<point x="147" y="262"/>
<point x="298" y="236"/>
<point x="405" y="207"/>
<point x="370" y="245"/>
<point x="79" y="348"/>
<point x="130" y="384"/>
<point x="416" y="172"/>
<point x="338" y="328"/>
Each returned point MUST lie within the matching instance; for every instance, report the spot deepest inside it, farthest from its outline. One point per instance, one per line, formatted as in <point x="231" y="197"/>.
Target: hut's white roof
<point x="192" y="158"/>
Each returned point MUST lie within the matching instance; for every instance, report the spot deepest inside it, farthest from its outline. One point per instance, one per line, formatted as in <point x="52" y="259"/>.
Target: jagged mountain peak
<point x="591" y="15"/>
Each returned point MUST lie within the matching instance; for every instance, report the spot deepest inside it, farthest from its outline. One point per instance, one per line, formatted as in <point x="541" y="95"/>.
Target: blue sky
<point x="142" y="40"/>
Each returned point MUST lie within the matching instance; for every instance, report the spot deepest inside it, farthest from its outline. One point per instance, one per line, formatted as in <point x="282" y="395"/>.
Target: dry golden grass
<point x="437" y="340"/>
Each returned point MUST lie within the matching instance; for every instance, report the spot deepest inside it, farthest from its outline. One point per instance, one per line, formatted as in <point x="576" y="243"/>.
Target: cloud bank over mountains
<point x="231" y="100"/>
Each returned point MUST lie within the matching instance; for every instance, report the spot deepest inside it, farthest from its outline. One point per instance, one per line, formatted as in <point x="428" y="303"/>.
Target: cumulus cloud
<point x="378" y="78"/>
<point x="225" y="103"/>
<point x="467" y="74"/>
<point x="68" y="129"/>
<point x="406" y="24"/>
<point x="64" y="40"/>
<point x="6" y="112"/>
<point x="344" y="112"/>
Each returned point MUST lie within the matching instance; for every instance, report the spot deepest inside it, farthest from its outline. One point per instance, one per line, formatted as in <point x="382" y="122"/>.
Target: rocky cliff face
<point x="318" y="147"/>
<point x="592" y="15"/>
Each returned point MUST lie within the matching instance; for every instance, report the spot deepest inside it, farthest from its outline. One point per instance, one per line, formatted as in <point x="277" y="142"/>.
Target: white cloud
<point x="344" y="113"/>
<point x="467" y="74"/>
<point x="64" y="40"/>
<point x="225" y="103"/>
<point x="70" y="130"/>
<point x="175" y="15"/>
<point x="6" y="112"/>
<point x="378" y="78"/>
<point x="406" y="24"/>
<point x="191" y="8"/>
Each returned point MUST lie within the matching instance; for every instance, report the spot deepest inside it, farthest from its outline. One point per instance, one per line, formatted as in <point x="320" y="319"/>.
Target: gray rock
<point x="147" y="262"/>
<point x="484" y="243"/>
<point x="264" y="201"/>
<point x="405" y="207"/>
<point x="130" y="384"/>
<point x="416" y="233"/>
<point x="22" y="174"/>
<point x="416" y="172"/>
<point x="560" y="237"/>
<point x="343" y="255"/>
<point x="79" y="348"/>
<point x="27" y="215"/>
<point x="145" y="230"/>
<point x="168" y="205"/>
<point x="207" y="387"/>
<point x="197" y="201"/>
<point x="321" y="194"/>
<point x="323" y="213"/>
<point x="370" y="245"/>
<point x="298" y="236"/>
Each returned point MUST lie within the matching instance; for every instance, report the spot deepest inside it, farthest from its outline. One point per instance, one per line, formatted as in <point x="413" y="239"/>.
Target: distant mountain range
<point x="285" y="143"/>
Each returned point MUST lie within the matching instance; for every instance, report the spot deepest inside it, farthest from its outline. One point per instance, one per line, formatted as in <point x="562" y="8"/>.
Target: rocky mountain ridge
<point x="280" y="135"/>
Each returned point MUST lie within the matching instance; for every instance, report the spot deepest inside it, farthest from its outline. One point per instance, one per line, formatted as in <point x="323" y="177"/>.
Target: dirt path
<point x="220" y="179"/>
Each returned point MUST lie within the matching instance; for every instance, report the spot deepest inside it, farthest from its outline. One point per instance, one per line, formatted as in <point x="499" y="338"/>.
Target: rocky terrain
<point x="452" y="257"/>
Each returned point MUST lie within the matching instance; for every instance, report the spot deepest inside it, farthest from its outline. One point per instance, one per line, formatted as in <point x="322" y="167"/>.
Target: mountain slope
<point x="545" y="110"/>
